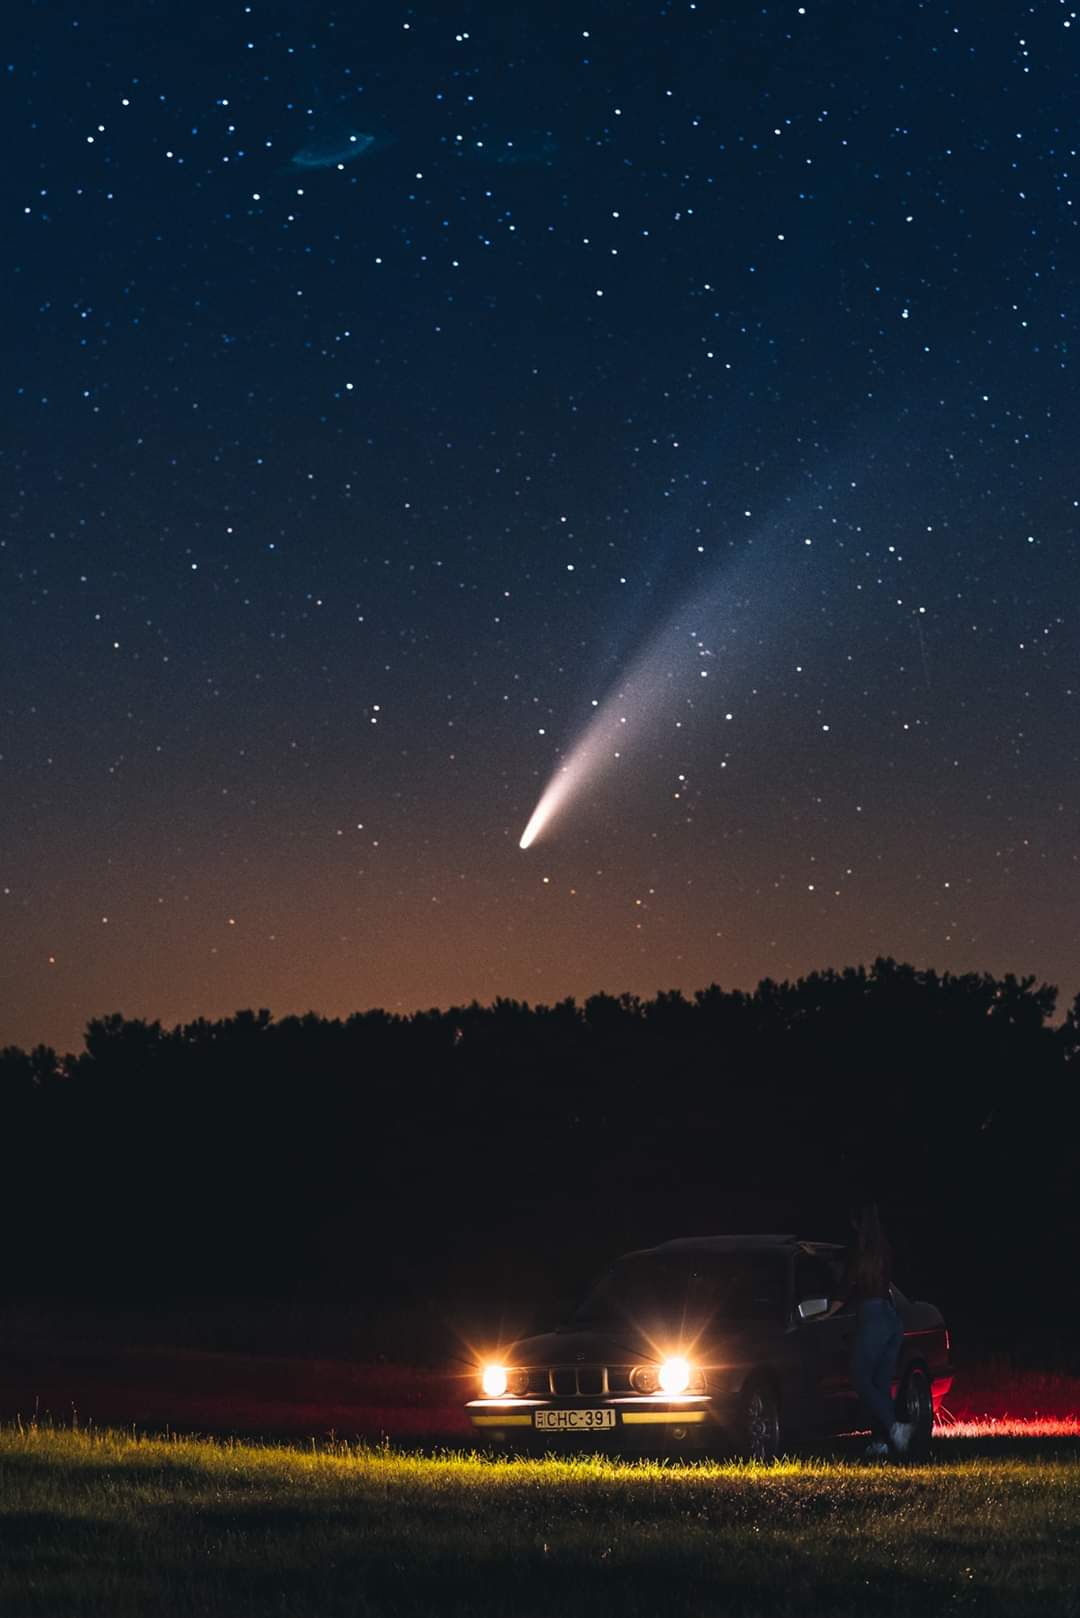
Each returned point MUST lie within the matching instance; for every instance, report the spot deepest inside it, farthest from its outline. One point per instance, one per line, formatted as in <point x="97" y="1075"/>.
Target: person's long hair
<point x="870" y="1258"/>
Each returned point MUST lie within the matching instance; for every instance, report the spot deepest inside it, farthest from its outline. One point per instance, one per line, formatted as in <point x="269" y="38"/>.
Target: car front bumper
<point x="639" y="1421"/>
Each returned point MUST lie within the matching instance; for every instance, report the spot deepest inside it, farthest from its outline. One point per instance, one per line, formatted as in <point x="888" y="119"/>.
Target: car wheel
<point x="916" y="1405"/>
<point x="759" y="1411"/>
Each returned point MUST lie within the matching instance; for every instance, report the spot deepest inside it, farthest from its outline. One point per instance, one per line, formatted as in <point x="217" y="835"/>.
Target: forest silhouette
<point x="493" y="1157"/>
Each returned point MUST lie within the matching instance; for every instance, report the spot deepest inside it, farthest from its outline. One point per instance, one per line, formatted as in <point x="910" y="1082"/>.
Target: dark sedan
<point x="704" y="1343"/>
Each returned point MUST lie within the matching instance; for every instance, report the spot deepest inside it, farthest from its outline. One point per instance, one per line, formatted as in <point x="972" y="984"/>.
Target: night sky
<point x="391" y="394"/>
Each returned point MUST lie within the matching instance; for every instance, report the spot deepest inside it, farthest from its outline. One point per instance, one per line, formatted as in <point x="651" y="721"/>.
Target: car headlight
<point x="493" y="1380"/>
<point x="645" y="1378"/>
<point x="673" y="1376"/>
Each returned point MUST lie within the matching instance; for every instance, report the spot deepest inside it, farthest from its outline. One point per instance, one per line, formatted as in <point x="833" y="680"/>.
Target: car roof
<point x="733" y="1244"/>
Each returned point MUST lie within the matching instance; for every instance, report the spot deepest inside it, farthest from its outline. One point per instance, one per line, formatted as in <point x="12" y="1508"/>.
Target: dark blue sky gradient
<point x="334" y="497"/>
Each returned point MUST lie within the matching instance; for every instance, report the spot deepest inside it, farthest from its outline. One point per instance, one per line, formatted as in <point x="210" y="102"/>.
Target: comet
<point x="687" y="676"/>
<point x="562" y="786"/>
<point x="675" y="675"/>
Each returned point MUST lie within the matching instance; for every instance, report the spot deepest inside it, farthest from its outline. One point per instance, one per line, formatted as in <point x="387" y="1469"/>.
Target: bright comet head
<point x="555" y="794"/>
<point x="669" y="679"/>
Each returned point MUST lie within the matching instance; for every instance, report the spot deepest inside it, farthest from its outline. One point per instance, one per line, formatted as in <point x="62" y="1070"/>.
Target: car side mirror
<point x="811" y="1307"/>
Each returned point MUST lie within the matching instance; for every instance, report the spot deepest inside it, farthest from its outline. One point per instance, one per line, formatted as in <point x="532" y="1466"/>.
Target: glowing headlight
<point x="675" y="1376"/>
<point x="493" y="1380"/>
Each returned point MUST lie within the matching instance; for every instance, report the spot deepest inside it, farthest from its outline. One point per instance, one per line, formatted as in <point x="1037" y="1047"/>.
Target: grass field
<point x="105" y="1523"/>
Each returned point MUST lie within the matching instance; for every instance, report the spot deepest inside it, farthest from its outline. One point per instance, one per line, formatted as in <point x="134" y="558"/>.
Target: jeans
<point x="878" y="1335"/>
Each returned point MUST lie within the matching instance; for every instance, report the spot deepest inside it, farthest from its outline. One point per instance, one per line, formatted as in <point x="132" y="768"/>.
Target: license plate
<point x="573" y="1421"/>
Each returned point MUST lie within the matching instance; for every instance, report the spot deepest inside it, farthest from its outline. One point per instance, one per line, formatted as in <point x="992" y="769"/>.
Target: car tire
<point x="759" y="1420"/>
<point x="915" y="1404"/>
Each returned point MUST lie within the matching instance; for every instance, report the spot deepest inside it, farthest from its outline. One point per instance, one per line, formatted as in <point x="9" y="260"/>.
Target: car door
<point x="826" y="1346"/>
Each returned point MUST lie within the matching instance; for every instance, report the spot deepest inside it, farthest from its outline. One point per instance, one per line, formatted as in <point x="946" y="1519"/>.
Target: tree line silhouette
<point x="487" y="1156"/>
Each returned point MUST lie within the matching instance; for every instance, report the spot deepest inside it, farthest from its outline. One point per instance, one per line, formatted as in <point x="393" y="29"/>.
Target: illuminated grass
<point x="104" y="1523"/>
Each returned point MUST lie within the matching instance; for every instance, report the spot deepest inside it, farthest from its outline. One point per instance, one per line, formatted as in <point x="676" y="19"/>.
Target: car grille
<point x="574" y="1381"/>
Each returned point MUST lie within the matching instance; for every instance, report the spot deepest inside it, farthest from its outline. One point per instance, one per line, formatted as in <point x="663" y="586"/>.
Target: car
<point x="701" y="1344"/>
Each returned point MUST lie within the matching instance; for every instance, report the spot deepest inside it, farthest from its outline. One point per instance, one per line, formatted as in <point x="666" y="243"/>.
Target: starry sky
<point x="403" y="403"/>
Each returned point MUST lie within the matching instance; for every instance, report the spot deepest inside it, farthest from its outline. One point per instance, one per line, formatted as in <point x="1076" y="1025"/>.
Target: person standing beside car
<point x="879" y="1331"/>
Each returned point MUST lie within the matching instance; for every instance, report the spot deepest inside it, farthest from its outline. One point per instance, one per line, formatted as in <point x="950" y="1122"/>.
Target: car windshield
<point x="691" y="1288"/>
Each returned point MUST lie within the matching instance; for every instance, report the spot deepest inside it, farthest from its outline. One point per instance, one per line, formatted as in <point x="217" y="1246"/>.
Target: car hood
<point x="598" y="1345"/>
<point x="570" y="1345"/>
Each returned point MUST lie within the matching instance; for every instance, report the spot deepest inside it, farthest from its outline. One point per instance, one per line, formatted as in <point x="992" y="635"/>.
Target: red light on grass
<point x="1006" y="1426"/>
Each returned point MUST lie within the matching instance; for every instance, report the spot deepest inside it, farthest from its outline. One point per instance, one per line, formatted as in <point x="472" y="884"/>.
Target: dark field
<point x="259" y="1383"/>
<point x="105" y="1523"/>
<point x="241" y="1394"/>
<point x="94" y="1521"/>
